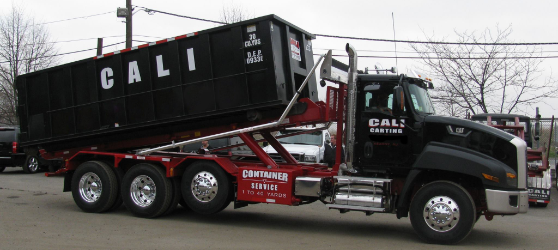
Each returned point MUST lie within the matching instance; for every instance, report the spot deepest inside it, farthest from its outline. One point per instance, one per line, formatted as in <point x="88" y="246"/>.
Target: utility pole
<point x="129" y="24"/>
<point x="99" y="46"/>
<point x="127" y="13"/>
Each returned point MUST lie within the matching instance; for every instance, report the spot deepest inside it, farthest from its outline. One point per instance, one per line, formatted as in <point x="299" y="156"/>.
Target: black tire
<point x="53" y="168"/>
<point x="182" y="202"/>
<point x="542" y="204"/>
<point x="31" y="164"/>
<point x="119" y="173"/>
<point x="176" y="195"/>
<point x="139" y="199"/>
<point x="443" y="196"/>
<point x="86" y="182"/>
<point x="2" y="168"/>
<point x="206" y="201"/>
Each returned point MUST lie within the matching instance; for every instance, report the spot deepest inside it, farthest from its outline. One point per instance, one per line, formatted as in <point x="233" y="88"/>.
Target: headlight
<point x="310" y="158"/>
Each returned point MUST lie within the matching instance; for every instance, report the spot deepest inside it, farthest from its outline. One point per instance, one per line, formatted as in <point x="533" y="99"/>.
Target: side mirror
<point x="398" y="105"/>
<point x="430" y="85"/>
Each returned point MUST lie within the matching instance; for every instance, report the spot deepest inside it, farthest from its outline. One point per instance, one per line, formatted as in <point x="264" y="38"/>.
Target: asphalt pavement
<point x="36" y="214"/>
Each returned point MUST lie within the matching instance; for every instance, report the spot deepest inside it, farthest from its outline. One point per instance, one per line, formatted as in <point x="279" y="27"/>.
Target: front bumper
<point x="507" y="202"/>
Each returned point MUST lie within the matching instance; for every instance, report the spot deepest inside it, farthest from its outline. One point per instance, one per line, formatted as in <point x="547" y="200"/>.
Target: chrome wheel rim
<point x="441" y="213"/>
<point x="90" y="187"/>
<point x="204" y="186"/>
<point x="33" y="164"/>
<point x="143" y="191"/>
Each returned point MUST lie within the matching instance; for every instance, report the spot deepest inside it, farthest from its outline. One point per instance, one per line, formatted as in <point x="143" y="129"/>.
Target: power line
<point x="66" y="53"/>
<point x="66" y="41"/>
<point x="150" y="11"/>
<point x="83" y="39"/>
<point x="446" y="58"/>
<point x="430" y="52"/>
<point x="76" y="18"/>
<point x="431" y="42"/>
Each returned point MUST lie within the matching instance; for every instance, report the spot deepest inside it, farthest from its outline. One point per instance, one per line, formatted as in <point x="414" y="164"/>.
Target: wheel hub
<point x="143" y="191"/>
<point x="33" y="164"/>
<point x="90" y="187"/>
<point x="204" y="186"/>
<point x="441" y="213"/>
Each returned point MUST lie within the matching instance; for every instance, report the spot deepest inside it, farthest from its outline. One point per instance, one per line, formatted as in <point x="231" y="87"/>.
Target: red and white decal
<point x="265" y="185"/>
<point x="295" y="50"/>
<point x="146" y="45"/>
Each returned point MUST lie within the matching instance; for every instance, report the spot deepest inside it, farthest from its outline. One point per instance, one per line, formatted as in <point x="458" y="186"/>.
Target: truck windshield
<point x="314" y="138"/>
<point x="421" y="100"/>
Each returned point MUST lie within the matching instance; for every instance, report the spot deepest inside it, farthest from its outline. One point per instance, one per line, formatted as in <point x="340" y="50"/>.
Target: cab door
<point x="382" y="140"/>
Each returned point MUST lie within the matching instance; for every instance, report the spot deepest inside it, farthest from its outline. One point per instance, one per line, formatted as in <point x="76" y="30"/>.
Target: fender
<point x="451" y="158"/>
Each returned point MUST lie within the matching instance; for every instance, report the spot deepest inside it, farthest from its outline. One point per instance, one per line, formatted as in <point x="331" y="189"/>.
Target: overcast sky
<point x="531" y="21"/>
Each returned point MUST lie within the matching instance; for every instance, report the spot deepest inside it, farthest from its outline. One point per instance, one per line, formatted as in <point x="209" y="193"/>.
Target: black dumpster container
<point x="208" y="77"/>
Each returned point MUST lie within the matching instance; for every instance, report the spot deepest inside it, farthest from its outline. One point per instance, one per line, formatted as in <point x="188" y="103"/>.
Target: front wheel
<point x="31" y="165"/>
<point x="442" y="212"/>
<point x="206" y="187"/>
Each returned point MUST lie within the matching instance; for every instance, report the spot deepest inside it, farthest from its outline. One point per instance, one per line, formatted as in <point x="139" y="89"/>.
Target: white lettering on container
<point x="253" y="41"/>
<point x="254" y="56"/>
<point x="191" y="60"/>
<point x="161" y="71"/>
<point x="106" y="83"/>
<point x="133" y="72"/>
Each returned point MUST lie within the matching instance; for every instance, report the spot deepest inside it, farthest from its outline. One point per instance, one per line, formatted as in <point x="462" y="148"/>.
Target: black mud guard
<point x="68" y="181"/>
<point x="453" y="159"/>
<point x="405" y="197"/>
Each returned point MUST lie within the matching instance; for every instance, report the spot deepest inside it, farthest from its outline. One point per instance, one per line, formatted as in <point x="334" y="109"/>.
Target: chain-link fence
<point x="547" y="136"/>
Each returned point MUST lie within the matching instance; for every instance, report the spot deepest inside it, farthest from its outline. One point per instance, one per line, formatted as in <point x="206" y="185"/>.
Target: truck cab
<point x="386" y="138"/>
<point x="305" y="147"/>
<point x="399" y="136"/>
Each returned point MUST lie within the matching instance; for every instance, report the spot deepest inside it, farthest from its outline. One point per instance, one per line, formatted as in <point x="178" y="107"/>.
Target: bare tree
<point x="234" y="13"/>
<point x="24" y="48"/>
<point x="488" y="74"/>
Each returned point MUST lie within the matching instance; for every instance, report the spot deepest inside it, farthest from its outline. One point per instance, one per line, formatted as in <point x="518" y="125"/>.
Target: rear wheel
<point x="146" y="191"/>
<point x="94" y="187"/>
<point x="176" y="195"/>
<point x="2" y="169"/>
<point x="443" y="212"/>
<point x="31" y="165"/>
<point x="206" y="187"/>
<point x="119" y="173"/>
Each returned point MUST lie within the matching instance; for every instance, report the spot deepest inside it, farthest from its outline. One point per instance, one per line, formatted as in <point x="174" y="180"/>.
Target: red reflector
<point x="14" y="147"/>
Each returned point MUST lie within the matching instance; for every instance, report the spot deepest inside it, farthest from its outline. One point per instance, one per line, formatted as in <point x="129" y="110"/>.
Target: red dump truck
<point x="539" y="180"/>
<point x="117" y="120"/>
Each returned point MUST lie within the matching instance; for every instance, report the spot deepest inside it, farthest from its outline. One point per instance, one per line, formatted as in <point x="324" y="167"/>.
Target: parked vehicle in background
<point x="305" y="144"/>
<point x="11" y="155"/>
<point x="539" y="180"/>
